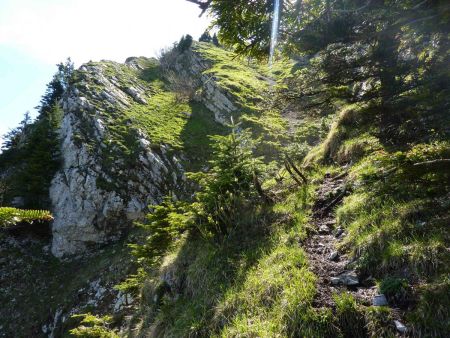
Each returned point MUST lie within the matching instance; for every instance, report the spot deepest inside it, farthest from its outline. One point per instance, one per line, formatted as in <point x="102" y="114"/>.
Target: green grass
<point x="397" y="223"/>
<point x="249" y="84"/>
<point x="180" y="125"/>
<point x="275" y="297"/>
<point x="162" y="119"/>
<point x="244" y="81"/>
<point x="254" y="280"/>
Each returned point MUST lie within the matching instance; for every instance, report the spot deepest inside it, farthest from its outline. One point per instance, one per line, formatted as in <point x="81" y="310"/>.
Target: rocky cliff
<point x="125" y="134"/>
<point x="97" y="193"/>
<point x="129" y="133"/>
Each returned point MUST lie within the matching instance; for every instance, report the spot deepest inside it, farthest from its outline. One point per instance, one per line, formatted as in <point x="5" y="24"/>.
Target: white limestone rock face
<point x="95" y="198"/>
<point x="219" y="101"/>
<point x="216" y="100"/>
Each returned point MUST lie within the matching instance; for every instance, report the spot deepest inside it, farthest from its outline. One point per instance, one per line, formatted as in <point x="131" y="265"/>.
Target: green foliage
<point x="205" y="37"/>
<point x="430" y="317"/>
<point x="93" y="327"/>
<point x="33" y="148"/>
<point x="215" y="40"/>
<point x="185" y="43"/>
<point x="229" y="185"/>
<point x="394" y="288"/>
<point x="243" y="80"/>
<point x="350" y="316"/>
<point x="164" y="224"/>
<point x="12" y="216"/>
<point x="256" y="282"/>
<point x="226" y="189"/>
<point x="274" y="298"/>
<point x="380" y="322"/>
<point x="244" y="25"/>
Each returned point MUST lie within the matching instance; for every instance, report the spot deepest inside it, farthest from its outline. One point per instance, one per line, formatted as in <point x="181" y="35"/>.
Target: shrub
<point x="93" y="327"/>
<point x="394" y="288"/>
<point x="229" y="186"/>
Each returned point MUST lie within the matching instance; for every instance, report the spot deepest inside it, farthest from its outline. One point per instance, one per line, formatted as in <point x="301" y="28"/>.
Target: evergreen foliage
<point x="185" y="43"/>
<point x="93" y="327"/>
<point x="12" y="216"/>
<point x="31" y="151"/>
<point x="229" y="185"/>
<point x="227" y="188"/>
<point x="205" y="37"/>
<point x="215" y="40"/>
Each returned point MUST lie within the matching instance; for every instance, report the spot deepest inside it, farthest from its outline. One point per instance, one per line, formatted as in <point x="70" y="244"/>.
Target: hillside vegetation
<point x="316" y="192"/>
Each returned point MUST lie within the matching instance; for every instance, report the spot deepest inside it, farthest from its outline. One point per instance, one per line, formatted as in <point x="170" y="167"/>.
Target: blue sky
<point x="35" y="35"/>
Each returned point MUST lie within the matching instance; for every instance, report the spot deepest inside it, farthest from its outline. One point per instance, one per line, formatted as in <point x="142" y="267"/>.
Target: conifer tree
<point x="32" y="149"/>
<point x="205" y="37"/>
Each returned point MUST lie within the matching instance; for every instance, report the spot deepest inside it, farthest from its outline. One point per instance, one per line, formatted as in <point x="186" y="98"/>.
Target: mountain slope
<point x="334" y="224"/>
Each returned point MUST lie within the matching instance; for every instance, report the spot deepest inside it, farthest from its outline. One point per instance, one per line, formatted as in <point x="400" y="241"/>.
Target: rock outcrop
<point x="112" y="166"/>
<point x="191" y="64"/>
<point x="101" y="188"/>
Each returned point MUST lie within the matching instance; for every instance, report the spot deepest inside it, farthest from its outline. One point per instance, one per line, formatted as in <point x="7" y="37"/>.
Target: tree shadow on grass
<point x="195" y="136"/>
<point x="204" y="272"/>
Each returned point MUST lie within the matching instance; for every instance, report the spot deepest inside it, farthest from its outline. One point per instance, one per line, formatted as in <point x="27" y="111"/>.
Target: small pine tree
<point x="230" y="183"/>
<point x="32" y="149"/>
<point x="215" y="40"/>
<point x="185" y="43"/>
<point x="205" y="37"/>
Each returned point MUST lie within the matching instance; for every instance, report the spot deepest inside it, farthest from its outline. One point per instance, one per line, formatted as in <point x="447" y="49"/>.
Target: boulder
<point x="379" y="300"/>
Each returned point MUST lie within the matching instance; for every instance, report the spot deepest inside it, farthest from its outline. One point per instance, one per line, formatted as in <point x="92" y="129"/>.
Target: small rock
<point x="400" y="327"/>
<point x="339" y="232"/>
<point x="330" y="222"/>
<point x="324" y="229"/>
<point x="335" y="280"/>
<point x="333" y="256"/>
<point x="347" y="278"/>
<point x="379" y="300"/>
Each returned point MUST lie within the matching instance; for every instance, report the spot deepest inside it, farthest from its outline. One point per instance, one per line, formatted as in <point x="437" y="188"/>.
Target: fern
<point x="11" y="216"/>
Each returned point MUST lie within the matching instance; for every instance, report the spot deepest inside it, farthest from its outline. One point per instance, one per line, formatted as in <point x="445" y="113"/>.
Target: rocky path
<point x="333" y="268"/>
<point x="330" y="266"/>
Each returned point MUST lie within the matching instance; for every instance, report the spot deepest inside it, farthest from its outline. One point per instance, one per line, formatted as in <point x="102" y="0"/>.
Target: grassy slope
<point x="251" y="85"/>
<point x="35" y="284"/>
<point x="258" y="284"/>
<point x="165" y="120"/>
<point x="397" y="214"/>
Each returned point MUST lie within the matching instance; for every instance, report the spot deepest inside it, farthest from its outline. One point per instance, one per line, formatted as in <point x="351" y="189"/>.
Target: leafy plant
<point x="229" y="186"/>
<point x="12" y="216"/>
<point x="93" y="327"/>
<point x="394" y="288"/>
<point x="164" y="224"/>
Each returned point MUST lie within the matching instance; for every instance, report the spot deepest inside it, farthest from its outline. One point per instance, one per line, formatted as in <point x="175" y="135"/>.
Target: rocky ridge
<point x="104" y="184"/>
<point x="84" y="211"/>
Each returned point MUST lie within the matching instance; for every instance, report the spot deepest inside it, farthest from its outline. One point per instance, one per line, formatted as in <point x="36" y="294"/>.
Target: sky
<point x="35" y="35"/>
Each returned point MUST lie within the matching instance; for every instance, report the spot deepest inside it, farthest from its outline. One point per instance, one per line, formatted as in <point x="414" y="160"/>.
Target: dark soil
<point x="322" y="243"/>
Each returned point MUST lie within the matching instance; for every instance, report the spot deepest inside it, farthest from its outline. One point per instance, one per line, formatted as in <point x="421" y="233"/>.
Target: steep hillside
<point x="206" y="195"/>
<point x="128" y="133"/>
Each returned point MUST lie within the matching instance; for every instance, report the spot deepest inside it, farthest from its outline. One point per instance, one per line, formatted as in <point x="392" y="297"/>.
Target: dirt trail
<point x="330" y="266"/>
<point x="333" y="268"/>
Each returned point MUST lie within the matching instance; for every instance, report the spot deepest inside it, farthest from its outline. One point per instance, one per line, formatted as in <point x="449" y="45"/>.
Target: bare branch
<point x="203" y="4"/>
